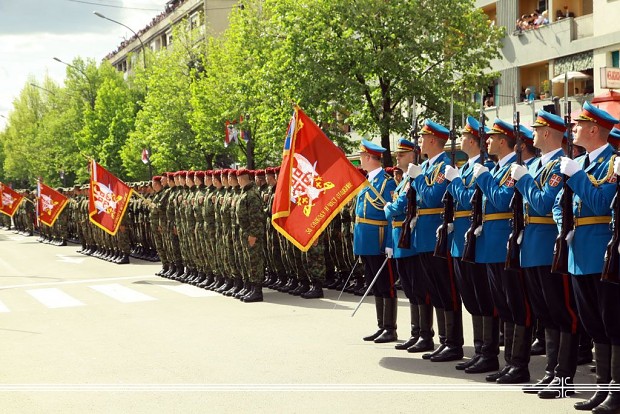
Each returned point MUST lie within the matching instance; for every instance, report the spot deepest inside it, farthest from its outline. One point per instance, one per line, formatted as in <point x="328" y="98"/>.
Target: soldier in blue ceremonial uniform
<point x="430" y="183"/>
<point x="593" y="182"/>
<point x="407" y="262"/>
<point x="507" y="286"/>
<point x="475" y="290"/>
<point x="614" y="138"/>
<point x="550" y="294"/>
<point x="370" y="239"/>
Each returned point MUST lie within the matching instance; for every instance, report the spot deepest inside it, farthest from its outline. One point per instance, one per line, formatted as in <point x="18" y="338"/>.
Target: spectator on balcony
<point x="489" y="101"/>
<point x="542" y="19"/>
<point x="529" y="95"/>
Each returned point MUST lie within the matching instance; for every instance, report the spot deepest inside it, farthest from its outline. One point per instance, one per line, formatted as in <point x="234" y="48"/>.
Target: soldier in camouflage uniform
<point x="249" y="212"/>
<point x="220" y="181"/>
<point x="274" y="253"/>
<point x="232" y="236"/>
<point x="156" y="211"/>
<point x="209" y="229"/>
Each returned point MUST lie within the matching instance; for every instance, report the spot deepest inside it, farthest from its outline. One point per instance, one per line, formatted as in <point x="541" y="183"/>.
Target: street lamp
<point x="42" y="88"/>
<point x="96" y="13"/>
<point x="90" y="83"/>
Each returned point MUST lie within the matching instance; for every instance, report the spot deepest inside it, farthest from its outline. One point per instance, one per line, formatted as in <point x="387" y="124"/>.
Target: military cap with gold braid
<point x="598" y="116"/>
<point x="404" y="145"/>
<point x="433" y="128"/>
<point x="547" y="119"/>
<point x="372" y="149"/>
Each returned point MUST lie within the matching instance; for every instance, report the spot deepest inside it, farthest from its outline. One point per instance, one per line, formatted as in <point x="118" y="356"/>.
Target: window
<point x="615" y="59"/>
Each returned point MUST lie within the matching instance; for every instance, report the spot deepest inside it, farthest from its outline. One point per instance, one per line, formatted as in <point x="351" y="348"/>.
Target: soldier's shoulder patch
<point x="554" y="180"/>
<point x="440" y="178"/>
<point x="510" y="182"/>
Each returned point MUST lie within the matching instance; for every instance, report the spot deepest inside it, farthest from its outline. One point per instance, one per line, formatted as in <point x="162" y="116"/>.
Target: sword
<point x="370" y="287"/>
<point x="345" y="284"/>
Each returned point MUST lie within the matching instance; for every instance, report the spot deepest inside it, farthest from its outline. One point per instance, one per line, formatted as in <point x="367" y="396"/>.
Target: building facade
<point x="207" y="15"/>
<point x="582" y="36"/>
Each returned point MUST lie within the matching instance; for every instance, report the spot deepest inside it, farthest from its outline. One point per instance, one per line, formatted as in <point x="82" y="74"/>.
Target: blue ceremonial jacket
<point x="540" y="188"/>
<point x="497" y="189"/>
<point x="593" y="189"/>
<point x="430" y="187"/>
<point x="463" y="190"/>
<point x="371" y="229"/>
<point x="397" y="212"/>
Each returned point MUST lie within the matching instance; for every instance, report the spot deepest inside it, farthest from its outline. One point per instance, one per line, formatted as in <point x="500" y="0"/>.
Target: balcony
<point x="545" y="43"/>
<point x="583" y="27"/>
<point x="527" y="110"/>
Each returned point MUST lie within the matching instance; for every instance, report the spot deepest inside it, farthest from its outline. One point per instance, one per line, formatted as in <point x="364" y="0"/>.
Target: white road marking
<point x="54" y="298"/>
<point x="189" y="290"/>
<point x="74" y="282"/>
<point x="3" y="308"/>
<point x="122" y="293"/>
<point x="68" y="259"/>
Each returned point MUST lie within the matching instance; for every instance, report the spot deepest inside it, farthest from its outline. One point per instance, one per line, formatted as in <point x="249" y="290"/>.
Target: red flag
<point x="316" y="181"/>
<point x="50" y="204"/>
<point x="145" y="156"/>
<point x="108" y="199"/>
<point x="10" y="200"/>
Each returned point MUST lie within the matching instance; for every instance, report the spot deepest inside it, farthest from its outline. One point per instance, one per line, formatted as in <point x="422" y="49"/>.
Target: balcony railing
<point x="583" y="26"/>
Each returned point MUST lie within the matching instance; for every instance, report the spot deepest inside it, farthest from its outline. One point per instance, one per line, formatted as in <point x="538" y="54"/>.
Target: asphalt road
<point x="80" y="335"/>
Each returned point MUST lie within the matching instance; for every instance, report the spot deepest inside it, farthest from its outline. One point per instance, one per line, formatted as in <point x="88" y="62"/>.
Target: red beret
<point x="259" y="173"/>
<point x="242" y="171"/>
<point x="157" y="178"/>
<point x="199" y="174"/>
<point x="190" y="173"/>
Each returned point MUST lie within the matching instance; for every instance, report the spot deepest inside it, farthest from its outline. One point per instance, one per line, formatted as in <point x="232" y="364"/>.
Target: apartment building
<point x="211" y="15"/>
<point x="582" y="36"/>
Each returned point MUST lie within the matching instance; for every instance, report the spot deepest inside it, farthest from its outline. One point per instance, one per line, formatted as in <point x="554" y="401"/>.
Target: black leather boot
<point x="521" y="346"/>
<point x="441" y="332"/>
<point x="247" y="288"/>
<point x="561" y="386"/>
<point x="390" y="309"/>
<point x="602" y="353"/>
<point x="585" y="348"/>
<point x="552" y="344"/>
<point x="539" y="343"/>
<point x="414" y="310"/>
<point x="454" y="338"/>
<point x="611" y="404"/>
<point x="379" y="311"/>
<point x="302" y="287"/>
<point x="256" y="295"/>
<point x="489" y="350"/>
<point x="476" y="321"/>
<point x="509" y="329"/>
<point x="315" y="291"/>
<point x="124" y="259"/>
<point x="425" y="342"/>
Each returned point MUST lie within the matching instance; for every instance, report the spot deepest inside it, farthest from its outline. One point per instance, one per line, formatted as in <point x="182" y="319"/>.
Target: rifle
<point x="442" y="248"/>
<point x="611" y="272"/>
<point x="404" y="242"/>
<point x="513" y="261"/>
<point x="469" y="249"/>
<point x="560" y="248"/>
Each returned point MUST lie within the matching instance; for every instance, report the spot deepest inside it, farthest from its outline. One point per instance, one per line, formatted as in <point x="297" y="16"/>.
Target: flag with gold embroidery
<point x="50" y="204"/>
<point x="316" y="180"/>
<point x="9" y="199"/>
<point x="108" y="199"/>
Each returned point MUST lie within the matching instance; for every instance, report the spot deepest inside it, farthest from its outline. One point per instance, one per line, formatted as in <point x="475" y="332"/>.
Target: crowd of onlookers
<point x="532" y="21"/>
<point x="170" y="7"/>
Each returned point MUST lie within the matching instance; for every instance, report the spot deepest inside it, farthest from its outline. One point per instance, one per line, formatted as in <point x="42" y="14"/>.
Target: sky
<point x="33" y="32"/>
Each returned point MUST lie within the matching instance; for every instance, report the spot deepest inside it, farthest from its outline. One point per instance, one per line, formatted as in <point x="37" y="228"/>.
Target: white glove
<point x="450" y="229"/>
<point x="386" y="207"/>
<point x="414" y="170"/>
<point x="389" y="252"/>
<point x="479" y="169"/>
<point x="517" y="171"/>
<point x="617" y="166"/>
<point x="451" y="173"/>
<point x="568" y="166"/>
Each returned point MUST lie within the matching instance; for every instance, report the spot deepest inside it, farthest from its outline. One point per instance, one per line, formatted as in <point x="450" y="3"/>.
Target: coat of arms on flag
<point x="146" y="156"/>
<point x="10" y="200"/>
<point x="316" y="181"/>
<point x="50" y="203"/>
<point x="108" y="199"/>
